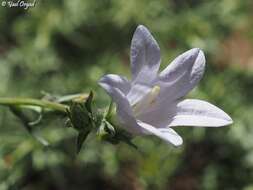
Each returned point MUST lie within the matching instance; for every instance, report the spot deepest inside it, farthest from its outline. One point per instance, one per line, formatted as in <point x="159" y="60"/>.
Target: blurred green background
<point x="64" y="47"/>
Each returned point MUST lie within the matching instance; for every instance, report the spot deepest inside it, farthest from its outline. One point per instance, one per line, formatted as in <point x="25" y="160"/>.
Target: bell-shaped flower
<point x="151" y="103"/>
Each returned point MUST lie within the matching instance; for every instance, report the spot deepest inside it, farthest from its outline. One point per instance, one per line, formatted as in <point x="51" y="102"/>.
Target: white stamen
<point x="146" y="101"/>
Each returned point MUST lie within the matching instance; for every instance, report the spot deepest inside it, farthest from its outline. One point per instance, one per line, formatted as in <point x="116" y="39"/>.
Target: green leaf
<point x="23" y="118"/>
<point x="66" y="98"/>
<point x="27" y="124"/>
<point x="74" y="97"/>
<point x="37" y="121"/>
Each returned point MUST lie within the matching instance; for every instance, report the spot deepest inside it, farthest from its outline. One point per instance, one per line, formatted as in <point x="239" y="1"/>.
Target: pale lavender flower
<point x="151" y="103"/>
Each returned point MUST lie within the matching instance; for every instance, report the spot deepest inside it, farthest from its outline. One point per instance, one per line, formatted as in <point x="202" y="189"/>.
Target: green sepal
<point x="79" y="116"/>
<point x="80" y="140"/>
<point x="106" y="131"/>
<point x="108" y="114"/>
<point x="68" y="123"/>
<point x="88" y="103"/>
<point x="126" y="137"/>
<point x="80" y="119"/>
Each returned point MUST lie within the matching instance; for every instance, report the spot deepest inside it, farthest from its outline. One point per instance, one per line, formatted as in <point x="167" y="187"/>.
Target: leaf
<point x="33" y="108"/>
<point x="37" y="121"/>
<point x="23" y="118"/>
<point x="73" y="97"/>
<point x="40" y="139"/>
<point x="27" y="124"/>
<point x="66" y="98"/>
<point x="80" y="140"/>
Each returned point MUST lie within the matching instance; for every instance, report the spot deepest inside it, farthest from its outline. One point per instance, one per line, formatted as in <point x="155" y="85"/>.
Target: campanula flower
<point x="151" y="103"/>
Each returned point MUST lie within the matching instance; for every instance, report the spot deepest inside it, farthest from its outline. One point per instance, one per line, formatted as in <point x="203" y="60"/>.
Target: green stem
<point x="33" y="102"/>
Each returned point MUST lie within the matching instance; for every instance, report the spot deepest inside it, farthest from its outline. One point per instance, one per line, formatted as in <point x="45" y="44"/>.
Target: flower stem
<point x="33" y="102"/>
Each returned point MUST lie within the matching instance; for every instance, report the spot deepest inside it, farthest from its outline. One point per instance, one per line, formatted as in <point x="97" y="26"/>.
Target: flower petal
<point x="116" y="81"/>
<point x="158" y="115"/>
<point x="191" y="112"/>
<point x="167" y="134"/>
<point x="182" y="75"/>
<point x="124" y="110"/>
<point x="145" y="56"/>
<point x="137" y="92"/>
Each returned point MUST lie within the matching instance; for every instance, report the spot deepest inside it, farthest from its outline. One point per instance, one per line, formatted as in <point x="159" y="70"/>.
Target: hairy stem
<point x="33" y="102"/>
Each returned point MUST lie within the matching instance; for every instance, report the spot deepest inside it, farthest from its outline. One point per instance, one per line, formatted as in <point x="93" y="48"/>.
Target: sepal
<point x="80" y="117"/>
<point x="113" y="135"/>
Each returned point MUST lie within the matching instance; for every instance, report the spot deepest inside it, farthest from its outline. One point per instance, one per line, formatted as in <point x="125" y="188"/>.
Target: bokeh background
<point x="64" y="47"/>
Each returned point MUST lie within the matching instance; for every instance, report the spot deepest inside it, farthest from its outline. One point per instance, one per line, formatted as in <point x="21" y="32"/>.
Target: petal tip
<point x="101" y="81"/>
<point x="196" y="51"/>
<point x="140" y="27"/>
<point x="191" y="55"/>
<point x="179" y="142"/>
<point x="229" y="120"/>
